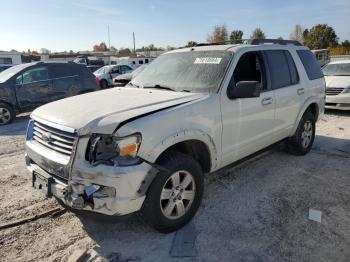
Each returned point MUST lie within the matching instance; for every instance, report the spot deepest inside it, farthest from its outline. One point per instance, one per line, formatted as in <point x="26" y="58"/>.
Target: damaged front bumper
<point x="110" y="190"/>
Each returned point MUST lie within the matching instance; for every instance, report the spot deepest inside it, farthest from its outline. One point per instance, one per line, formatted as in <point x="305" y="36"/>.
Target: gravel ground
<point x="257" y="211"/>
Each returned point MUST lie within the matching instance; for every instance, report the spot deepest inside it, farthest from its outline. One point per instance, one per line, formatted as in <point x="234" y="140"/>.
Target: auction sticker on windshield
<point x="207" y="60"/>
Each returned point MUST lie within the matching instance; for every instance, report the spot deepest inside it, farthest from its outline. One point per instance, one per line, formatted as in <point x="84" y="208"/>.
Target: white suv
<point x="106" y="74"/>
<point x="146" y="147"/>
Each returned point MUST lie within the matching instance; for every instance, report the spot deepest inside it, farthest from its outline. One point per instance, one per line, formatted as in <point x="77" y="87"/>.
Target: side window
<point x="140" y="62"/>
<point x="63" y="70"/>
<point x="279" y="68"/>
<point x="115" y="70"/>
<point x="35" y="75"/>
<point x="292" y="69"/>
<point x="312" y="67"/>
<point x="146" y="61"/>
<point x="250" y="68"/>
<point x="125" y="68"/>
<point x="19" y="79"/>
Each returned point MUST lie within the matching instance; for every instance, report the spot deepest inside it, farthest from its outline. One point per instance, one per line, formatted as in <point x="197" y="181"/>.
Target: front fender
<point x="152" y="155"/>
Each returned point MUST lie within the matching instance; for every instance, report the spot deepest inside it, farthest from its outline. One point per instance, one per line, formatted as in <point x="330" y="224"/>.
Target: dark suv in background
<point x="27" y="86"/>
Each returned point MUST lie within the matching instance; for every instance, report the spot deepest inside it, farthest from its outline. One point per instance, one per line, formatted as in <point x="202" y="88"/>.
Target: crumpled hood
<point x="102" y="111"/>
<point x="337" y="81"/>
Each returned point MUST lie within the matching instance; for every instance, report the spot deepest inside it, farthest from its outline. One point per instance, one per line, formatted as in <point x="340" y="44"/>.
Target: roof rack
<point x="254" y="41"/>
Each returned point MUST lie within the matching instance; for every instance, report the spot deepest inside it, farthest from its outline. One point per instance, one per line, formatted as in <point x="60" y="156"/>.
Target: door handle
<point x="301" y="91"/>
<point x="266" y="101"/>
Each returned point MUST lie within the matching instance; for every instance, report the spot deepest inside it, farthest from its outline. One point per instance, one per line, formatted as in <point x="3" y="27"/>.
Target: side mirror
<point x="244" y="89"/>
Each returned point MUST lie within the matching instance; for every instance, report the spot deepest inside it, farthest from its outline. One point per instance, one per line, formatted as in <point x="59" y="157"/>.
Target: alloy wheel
<point x="5" y="116"/>
<point x="177" y="194"/>
<point x="306" y="135"/>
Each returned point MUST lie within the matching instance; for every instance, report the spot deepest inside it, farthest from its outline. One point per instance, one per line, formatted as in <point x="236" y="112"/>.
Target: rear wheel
<point x="103" y="84"/>
<point x="174" y="196"/>
<point x="6" y="114"/>
<point x="301" y="142"/>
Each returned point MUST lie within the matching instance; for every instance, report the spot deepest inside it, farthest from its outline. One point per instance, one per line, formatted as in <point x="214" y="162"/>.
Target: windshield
<point x="337" y="69"/>
<point x="8" y="73"/>
<point x="195" y="71"/>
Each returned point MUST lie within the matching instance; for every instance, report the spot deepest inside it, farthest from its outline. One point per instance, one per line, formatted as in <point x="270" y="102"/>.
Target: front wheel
<point x="301" y="142"/>
<point x="103" y="84"/>
<point x="174" y="195"/>
<point x="6" y="114"/>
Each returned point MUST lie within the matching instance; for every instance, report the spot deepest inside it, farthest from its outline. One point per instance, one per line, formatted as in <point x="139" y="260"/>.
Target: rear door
<point x="66" y="81"/>
<point x="288" y="91"/>
<point x="33" y="87"/>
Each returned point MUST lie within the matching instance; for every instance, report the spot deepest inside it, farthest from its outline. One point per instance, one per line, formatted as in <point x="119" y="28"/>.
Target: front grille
<point x="53" y="138"/>
<point x="333" y="91"/>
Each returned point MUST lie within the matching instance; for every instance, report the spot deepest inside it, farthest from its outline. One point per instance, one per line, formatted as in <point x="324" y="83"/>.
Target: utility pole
<point x="133" y="36"/>
<point x="109" y="38"/>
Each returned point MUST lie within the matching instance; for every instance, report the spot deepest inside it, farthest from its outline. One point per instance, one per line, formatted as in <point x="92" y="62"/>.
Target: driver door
<point x="33" y="87"/>
<point x="247" y="122"/>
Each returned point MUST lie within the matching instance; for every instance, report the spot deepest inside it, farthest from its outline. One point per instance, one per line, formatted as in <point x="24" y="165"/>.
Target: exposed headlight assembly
<point x="112" y="150"/>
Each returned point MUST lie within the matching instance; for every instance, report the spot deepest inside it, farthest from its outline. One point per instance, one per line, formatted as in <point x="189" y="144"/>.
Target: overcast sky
<point x="60" y="25"/>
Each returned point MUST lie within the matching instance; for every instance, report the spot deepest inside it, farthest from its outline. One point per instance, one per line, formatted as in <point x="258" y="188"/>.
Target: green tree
<point x="218" y="35"/>
<point x="258" y="34"/>
<point x="346" y="44"/>
<point x="321" y="36"/>
<point x="236" y="36"/>
<point x="191" y="43"/>
<point x="280" y="38"/>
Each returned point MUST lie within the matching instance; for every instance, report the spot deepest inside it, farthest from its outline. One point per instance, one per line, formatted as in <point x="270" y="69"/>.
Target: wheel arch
<point x="194" y="143"/>
<point x="310" y="105"/>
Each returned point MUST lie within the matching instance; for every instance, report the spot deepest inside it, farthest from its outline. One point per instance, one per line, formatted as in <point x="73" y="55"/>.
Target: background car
<point x="27" y="86"/>
<point x="122" y="80"/>
<point x="337" y="76"/>
<point x="5" y="66"/>
<point x="107" y="73"/>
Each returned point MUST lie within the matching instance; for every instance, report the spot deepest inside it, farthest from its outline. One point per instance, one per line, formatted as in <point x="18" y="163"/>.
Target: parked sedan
<point x="107" y="73"/>
<point x="337" y="75"/>
<point x="27" y="86"/>
<point x="122" y="80"/>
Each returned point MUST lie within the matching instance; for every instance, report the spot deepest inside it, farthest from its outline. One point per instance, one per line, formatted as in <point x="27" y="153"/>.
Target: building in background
<point x="13" y="58"/>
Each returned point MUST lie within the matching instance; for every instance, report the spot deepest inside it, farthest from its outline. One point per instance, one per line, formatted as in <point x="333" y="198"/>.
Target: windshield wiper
<point x="160" y="87"/>
<point x="133" y="85"/>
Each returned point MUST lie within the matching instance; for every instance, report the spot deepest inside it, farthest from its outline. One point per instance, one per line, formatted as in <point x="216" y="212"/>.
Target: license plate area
<point x="43" y="182"/>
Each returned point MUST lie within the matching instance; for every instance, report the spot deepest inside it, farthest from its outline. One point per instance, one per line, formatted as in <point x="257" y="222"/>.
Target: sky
<point x="63" y="25"/>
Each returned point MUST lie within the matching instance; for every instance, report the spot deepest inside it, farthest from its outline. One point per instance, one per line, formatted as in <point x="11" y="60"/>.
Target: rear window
<point x="312" y="67"/>
<point x="63" y="70"/>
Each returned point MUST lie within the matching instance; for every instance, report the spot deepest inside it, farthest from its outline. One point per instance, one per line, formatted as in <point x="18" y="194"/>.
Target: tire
<point x="104" y="84"/>
<point x="7" y="114"/>
<point x="301" y="142"/>
<point x="168" y="214"/>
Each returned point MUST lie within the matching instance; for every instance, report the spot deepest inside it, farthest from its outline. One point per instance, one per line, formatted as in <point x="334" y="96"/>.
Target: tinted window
<point x="292" y="68"/>
<point x="125" y="68"/>
<point x="312" y="68"/>
<point x="35" y="74"/>
<point x="279" y="68"/>
<point x="63" y="70"/>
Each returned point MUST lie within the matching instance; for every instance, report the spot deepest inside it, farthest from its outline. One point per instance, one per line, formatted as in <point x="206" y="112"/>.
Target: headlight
<point x="109" y="149"/>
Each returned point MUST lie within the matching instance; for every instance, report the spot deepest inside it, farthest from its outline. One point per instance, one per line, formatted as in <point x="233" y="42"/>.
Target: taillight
<point x="97" y="81"/>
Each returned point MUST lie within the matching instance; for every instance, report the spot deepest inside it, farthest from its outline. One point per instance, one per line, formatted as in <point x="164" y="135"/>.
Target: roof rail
<point x="273" y="41"/>
<point x="254" y="41"/>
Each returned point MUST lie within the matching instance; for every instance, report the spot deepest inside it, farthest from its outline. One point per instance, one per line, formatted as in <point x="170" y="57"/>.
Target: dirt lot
<point x="257" y="211"/>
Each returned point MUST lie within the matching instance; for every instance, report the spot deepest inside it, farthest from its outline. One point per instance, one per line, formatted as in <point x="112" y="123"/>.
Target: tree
<point x="346" y="44"/>
<point x="258" y="34"/>
<point x="191" y="43"/>
<point x="236" y="36"/>
<point x="218" y="35"/>
<point x="297" y="33"/>
<point x="124" y="52"/>
<point x="321" y="36"/>
<point x="102" y="47"/>
<point x="280" y="38"/>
